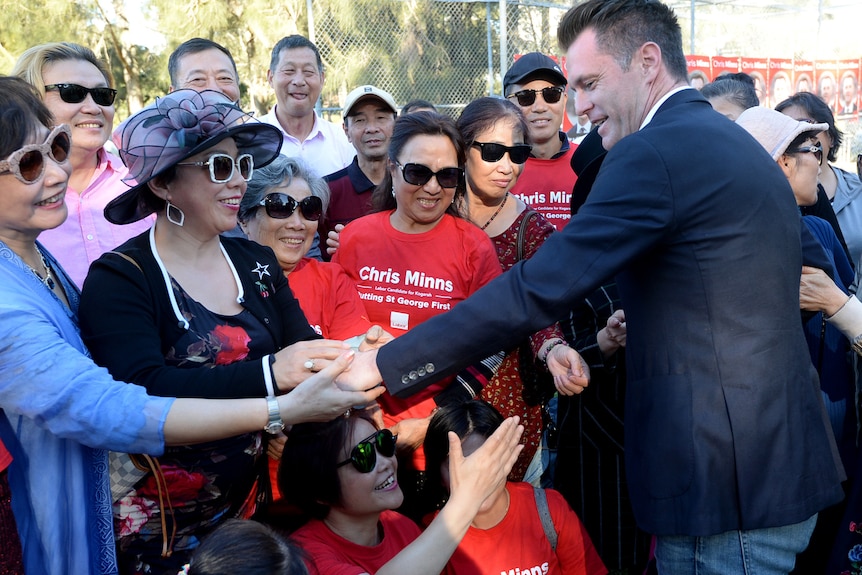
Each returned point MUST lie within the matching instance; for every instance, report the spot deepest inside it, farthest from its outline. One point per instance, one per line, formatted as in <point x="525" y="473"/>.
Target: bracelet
<point x="269" y="374"/>
<point x="554" y="344"/>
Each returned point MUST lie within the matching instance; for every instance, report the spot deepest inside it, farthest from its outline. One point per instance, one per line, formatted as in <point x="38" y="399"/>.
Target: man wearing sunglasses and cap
<point x="537" y="85"/>
<point x="369" y="117"/>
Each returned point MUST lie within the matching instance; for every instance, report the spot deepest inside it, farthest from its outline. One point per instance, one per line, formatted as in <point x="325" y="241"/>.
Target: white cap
<point x="367" y="91"/>
<point x="774" y="130"/>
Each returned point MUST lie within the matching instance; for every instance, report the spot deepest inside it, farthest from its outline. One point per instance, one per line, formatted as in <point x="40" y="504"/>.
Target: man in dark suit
<point x="727" y="449"/>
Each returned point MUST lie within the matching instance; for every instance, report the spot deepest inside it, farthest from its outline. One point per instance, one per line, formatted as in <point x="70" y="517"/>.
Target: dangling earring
<point x="174" y="214"/>
<point x="393" y="190"/>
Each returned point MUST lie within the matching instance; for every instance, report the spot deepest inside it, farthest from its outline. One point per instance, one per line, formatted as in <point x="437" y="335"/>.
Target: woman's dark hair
<point x="799" y="140"/>
<point x="464" y="419"/>
<point x="819" y="111"/>
<point x="740" y="93"/>
<point x="411" y="106"/>
<point x="21" y="114"/>
<point x="308" y="472"/>
<point x="483" y="113"/>
<point x="247" y="547"/>
<point x="406" y="128"/>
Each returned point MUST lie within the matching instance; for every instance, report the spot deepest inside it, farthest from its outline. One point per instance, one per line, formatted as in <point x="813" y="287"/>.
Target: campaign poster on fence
<point x="758" y="69"/>
<point x="803" y="76"/>
<point x="724" y="65"/>
<point x="780" y="81"/>
<point x="847" y="97"/>
<point x="827" y="85"/>
<point x="699" y="71"/>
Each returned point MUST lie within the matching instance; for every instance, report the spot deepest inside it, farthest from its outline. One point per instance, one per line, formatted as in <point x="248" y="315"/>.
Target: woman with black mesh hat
<point x="186" y="312"/>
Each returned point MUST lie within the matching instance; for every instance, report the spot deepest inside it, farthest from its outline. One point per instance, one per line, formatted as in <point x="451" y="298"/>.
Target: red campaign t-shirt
<point x="404" y="279"/>
<point x="546" y="186"/>
<point x="518" y="544"/>
<point x="329" y="299"/>
<point x="331" y="554"/>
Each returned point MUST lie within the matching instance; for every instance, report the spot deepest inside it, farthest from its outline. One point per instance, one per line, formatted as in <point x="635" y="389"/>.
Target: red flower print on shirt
<point x="233" y="344"/>
<point x="183" y="485"/>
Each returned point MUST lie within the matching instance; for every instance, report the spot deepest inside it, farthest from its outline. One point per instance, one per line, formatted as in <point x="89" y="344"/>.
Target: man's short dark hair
<point x="194" y="46"/>
<point x="623" y="26"/>
<point x="289" y="43"/>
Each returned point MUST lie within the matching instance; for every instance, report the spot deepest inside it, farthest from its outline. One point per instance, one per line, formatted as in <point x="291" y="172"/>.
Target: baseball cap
<point x="533" y="66"/>
<point x="364" y="92"/>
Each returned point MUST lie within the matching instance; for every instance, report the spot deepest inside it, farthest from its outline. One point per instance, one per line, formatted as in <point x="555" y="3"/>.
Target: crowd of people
<point x="412" y="343"/>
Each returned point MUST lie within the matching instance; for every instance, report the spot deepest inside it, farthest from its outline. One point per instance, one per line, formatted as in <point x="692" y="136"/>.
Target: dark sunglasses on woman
<point x="75" y="94"/>
<point x="815" y="149"/>
<point x="222" y="166"/>
<point x="551" y="95"/>
<point x="364" y="455"/>
<point x="494" y="152"/>
<point x="419" y="175"/>
<point x="281" y="206"/>
<point x="28" y="163"/>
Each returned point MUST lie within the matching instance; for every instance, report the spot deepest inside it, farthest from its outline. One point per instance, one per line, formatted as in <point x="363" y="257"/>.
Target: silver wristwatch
<point x="275" y="423"/>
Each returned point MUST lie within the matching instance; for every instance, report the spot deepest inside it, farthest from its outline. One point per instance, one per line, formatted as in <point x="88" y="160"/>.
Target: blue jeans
<point x="769" y="551"/>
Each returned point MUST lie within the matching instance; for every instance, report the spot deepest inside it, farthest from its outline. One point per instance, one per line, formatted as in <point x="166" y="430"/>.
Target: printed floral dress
<point x="198" y="486"/>
<point x="505" y="391"/>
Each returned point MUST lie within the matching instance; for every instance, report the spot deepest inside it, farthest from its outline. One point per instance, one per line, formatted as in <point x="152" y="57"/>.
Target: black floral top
<point x="207" y="482"/>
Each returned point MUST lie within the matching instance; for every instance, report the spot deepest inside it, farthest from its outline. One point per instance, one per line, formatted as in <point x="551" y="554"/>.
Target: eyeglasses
<point x="419" y="175"/>
<point x="28" y="163"/>
<point x="364" y="455"/>
<point x="551" y="95"/>
<point x="494" y="152"/>
<point x="75" y="94"/>
<point x="222" y="167"/>
<point x="281" y="206"/>
<point x="816" y="149"/>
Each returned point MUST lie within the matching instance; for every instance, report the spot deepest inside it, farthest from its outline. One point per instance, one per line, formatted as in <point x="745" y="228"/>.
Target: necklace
<point x="496" y="213"/>
<point x="47" y="280"/>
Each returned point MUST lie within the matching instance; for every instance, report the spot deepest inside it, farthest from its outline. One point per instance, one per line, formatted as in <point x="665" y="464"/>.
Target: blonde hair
<point x="33" y="60"/>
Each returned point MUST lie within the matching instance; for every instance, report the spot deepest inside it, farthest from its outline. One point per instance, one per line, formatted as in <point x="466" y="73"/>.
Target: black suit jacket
<point x="725" y="427"/>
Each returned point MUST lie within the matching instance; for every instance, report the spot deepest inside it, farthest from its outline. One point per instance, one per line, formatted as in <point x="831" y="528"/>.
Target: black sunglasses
<point x="281" y="206"/>
<point x="364" y="455"/>
<point x="75" y="94"/>
<point x="815" y="149"/>
<point x="28" y="163"/>
<point x="419" y="175"/>
<point x="494" y="152"/>
<point x="551" y="95"/>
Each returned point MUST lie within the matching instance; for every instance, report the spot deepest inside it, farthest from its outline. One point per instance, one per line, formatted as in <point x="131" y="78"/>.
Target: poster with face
<point x="780" y="84"/>
<point x="758" y="69"/>
<point x="827" y="83"/>
<point x="803" y="76"/>
<point x="847" y="97"/>
<point x="699" y="71"/>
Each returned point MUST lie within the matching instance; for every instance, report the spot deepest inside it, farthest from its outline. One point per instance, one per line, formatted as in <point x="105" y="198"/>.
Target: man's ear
<point x="648" y="57"/>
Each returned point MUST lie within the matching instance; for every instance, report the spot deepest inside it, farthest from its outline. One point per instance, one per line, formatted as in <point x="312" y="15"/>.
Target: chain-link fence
<point x="447" y="52"/>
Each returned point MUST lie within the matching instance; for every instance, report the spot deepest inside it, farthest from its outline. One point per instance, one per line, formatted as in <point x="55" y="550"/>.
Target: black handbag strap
<point x="522" y="231"/>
